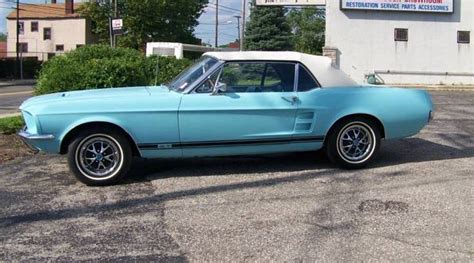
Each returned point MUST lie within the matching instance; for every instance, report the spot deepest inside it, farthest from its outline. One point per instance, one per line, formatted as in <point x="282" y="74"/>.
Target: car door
<point x="257" y="109"/>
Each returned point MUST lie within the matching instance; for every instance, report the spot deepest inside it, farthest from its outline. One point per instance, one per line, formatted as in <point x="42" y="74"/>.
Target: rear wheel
<point x="99" y="156"/>
<point x="353" y="143"/>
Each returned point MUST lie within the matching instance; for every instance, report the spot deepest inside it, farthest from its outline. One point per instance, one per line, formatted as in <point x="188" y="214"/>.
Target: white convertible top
<point x="321" y="67"/>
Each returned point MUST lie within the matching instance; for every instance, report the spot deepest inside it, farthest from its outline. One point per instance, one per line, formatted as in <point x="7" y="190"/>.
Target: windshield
<point x="191" y="74"/>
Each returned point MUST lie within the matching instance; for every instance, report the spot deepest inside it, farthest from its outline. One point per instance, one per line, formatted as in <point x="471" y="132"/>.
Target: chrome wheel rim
<point x="99" y="157"/>
<point x="356" y="142"/>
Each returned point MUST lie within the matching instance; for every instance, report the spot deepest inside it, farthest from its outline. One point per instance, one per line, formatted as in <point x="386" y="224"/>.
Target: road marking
<point x="15" y="93"/>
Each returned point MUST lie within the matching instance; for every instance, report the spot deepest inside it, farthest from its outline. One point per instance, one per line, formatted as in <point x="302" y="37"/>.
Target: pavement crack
<point x="415" y="244"/>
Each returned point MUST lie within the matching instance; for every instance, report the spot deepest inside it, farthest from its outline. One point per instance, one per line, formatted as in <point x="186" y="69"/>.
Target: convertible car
<point x="227" y="103"/>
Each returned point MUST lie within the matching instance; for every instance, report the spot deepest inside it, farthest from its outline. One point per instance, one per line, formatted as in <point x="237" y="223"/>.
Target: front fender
<point x="92" y="119"/>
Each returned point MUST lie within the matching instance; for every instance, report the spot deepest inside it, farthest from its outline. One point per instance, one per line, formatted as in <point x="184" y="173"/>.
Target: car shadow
<point x="151" y="169"/>
<point x="410" y="150"/>
<point x="311" y="164"/>
<point x="415" y="150"/>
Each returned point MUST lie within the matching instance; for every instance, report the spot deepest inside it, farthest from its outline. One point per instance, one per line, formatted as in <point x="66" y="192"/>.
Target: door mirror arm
<point x="219" y="88"/>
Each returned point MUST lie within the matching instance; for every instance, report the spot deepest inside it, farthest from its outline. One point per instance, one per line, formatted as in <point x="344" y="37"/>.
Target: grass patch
<point x="10" y="125"/>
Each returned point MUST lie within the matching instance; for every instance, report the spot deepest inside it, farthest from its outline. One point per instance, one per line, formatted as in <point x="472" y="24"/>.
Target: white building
<point x="48" y="29"/>
<point x="402" y="41"/>
<point x="177" y="50"/>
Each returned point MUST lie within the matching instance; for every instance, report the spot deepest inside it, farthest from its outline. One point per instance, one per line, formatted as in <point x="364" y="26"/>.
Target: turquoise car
<point x="227" y="103"/>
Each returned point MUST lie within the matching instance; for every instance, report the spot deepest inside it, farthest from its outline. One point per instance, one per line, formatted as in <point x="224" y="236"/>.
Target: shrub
<point x="10" y="125"/>
<point x="98" y="66"/>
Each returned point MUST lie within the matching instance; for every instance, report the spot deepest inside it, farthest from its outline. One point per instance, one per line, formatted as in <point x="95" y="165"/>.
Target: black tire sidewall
<point x="332" y="142"/>
<point x="123" y="143"/>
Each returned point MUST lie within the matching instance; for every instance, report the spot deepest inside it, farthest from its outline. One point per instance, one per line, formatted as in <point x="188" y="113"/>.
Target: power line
<point x="220" y="24"/>
<point x="226" y="7"/>
<point x="224" y="10"/>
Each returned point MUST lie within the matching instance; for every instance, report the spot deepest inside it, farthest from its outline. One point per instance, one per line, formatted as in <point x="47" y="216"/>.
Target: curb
<point x="7" y="115"/>
<point x="436" y="88"/>
<point x="17" y="83"/>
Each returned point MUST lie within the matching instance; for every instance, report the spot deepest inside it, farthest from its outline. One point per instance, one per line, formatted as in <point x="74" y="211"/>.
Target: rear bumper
<point x="29" y="139"/>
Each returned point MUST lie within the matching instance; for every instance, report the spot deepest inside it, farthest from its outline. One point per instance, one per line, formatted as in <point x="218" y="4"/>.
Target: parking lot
<point x="415" y="203"/>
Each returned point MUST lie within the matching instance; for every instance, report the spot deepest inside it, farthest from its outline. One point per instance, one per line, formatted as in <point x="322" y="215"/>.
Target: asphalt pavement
<point x="13" y="93"/>
<point x="414" y="204"/>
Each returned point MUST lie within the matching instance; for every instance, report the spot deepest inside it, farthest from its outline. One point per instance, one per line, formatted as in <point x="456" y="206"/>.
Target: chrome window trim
<point x="297" y="77"/>
<point x="221" y="63"/>
<point x="195" y="84"/>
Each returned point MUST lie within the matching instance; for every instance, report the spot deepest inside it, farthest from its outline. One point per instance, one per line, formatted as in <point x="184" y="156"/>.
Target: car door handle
<point x="291" y="99"/>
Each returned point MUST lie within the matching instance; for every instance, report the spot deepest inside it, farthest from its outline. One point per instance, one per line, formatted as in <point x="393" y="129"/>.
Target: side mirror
<point x="219" y="87"/>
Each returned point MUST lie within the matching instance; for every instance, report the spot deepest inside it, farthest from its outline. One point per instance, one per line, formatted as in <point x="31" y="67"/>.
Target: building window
<point x="34" y="26"/>
<point x="23" y="47"/>
<point x="401" y="34"/>
<point x="60" y="48"/>
<point x="21" y="28"/>
<point x="47" y="33"/>
<point x="464" y="37"/>
<point x="79" y="45"/>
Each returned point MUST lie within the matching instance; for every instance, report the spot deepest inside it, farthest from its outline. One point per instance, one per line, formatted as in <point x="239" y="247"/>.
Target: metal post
<point x="242" y="28"/>
<point x="217" y="23"/>
<point x="111" y="33"/>
<point x="116" y="15"/>
<point x="17" y="64"/>
<point x="238" y="28"/>
<point x="21" y="65"/>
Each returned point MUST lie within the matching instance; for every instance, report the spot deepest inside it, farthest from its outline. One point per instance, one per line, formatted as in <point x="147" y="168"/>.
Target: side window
<point x="258" y="77"/>
<point x="280" y="77"/>
<point x="242" y="76"/>
<point x="305" y="80"/>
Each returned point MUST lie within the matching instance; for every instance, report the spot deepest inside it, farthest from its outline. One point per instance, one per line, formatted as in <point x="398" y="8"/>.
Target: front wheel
<point x="353" y="143"/>
<point x="99" y="157"/>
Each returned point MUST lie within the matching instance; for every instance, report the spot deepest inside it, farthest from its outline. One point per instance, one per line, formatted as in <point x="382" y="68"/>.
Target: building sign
<point x="117" y="26"/>
<point x="291" y="2"/>
<point x="437" y="6"/>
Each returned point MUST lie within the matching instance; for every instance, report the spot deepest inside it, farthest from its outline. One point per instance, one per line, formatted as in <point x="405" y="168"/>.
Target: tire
<point x="353" y="143"/>
<point x="99" y="157"/>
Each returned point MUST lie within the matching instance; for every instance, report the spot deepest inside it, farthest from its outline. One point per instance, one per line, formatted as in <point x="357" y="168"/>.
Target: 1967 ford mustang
<point x="227" y="103"/>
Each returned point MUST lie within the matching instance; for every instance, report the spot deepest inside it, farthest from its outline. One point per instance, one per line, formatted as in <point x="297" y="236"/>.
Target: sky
<point x="205" y="30"/>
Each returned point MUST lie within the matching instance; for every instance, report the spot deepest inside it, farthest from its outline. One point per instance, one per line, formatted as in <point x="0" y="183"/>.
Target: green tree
<point x="268" y="29"/>
<point x="308" y="26"/>
<point x="147" y="20"/>
<point x="3" y="37"/>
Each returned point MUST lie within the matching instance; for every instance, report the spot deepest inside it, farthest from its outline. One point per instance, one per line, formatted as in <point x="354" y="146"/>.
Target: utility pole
<point x="238" y="26"/>
<point x="116" y="15"/>
<point x="17" y="64"/>
<point x="217" y="23"/>
<point x="242" y="32"/>
<point x="111" y="33"/>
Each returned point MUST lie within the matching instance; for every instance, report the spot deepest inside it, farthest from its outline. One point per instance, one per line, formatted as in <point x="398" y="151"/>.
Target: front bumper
<point x="27" y="138"/>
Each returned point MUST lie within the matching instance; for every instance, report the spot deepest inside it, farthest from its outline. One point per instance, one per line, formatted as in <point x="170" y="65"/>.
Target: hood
<point x="93" y="94"/>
